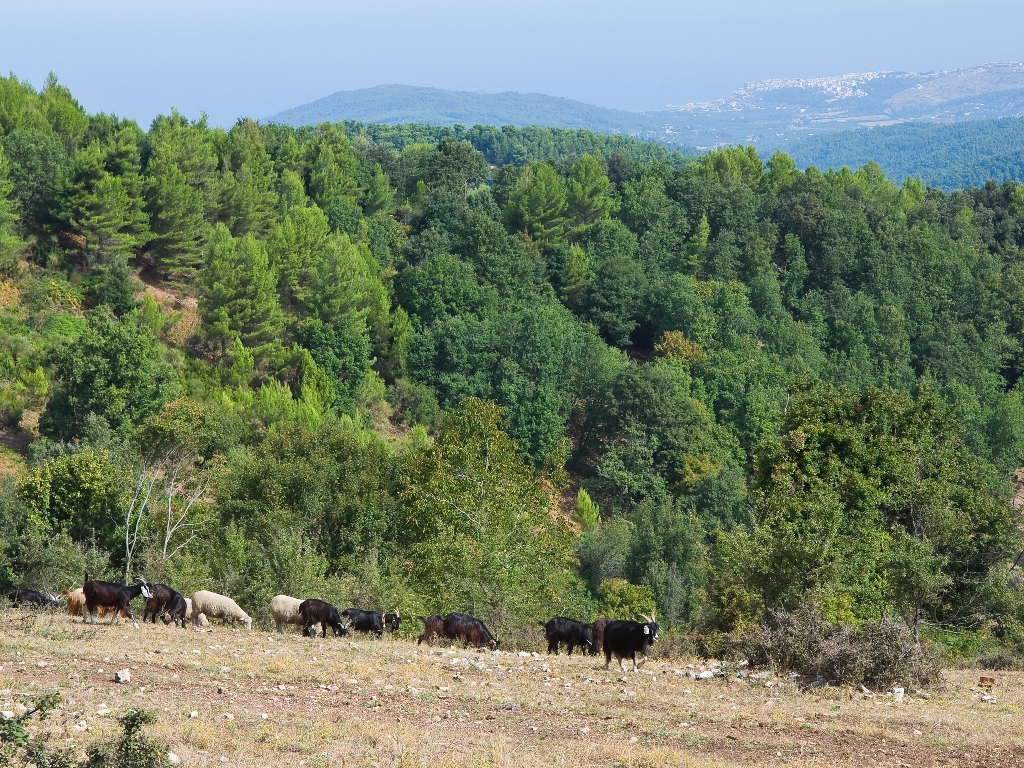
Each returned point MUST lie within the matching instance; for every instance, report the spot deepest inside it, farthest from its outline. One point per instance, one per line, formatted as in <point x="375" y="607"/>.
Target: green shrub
<point x="588" y="514"/>
<point x="134" y="749"/>
<point x="622" y="600"/>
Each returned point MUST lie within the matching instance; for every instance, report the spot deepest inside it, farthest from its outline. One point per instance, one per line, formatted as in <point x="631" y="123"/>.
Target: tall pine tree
<point x="99" y="197"/>
<point x="241" y="293"/>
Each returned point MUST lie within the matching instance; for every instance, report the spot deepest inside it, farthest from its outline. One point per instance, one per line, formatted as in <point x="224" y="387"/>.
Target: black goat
<point x="625" y="639"/>
<point x="393" y="621"/>
<point x="433" y="626"/>
<point x="468" y="629"/>
<point x="117" y="597"/>
<point x="320" y="612"/>
<point x="569" y="631"/>
<point x="175" y="611"/>
<point x="365" y="621"/>
<point x="31" y="597"/>
<point x="162" y="597"/>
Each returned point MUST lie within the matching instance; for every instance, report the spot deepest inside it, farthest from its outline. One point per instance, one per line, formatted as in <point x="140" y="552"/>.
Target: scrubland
<point x="254" y="698"/>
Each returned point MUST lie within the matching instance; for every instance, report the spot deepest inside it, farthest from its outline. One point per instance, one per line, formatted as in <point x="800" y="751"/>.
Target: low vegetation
<point x="882" y="654"/>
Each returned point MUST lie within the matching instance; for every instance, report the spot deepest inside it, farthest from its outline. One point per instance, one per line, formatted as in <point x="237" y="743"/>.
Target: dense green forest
<point x="327" y="361"/>
<point x="949" y="155"/>
<point x="508" y="144"/>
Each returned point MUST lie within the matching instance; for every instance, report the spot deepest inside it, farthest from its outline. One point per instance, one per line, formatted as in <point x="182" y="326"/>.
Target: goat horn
<point x="396" y="611"/>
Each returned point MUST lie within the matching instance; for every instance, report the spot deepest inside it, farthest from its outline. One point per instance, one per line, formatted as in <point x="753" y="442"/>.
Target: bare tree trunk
<point x="133" y="515"/>
<point x="188" y="492"/>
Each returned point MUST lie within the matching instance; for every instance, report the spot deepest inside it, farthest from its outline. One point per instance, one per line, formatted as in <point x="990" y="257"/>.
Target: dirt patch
<point x="180" y="309"/>
<point x="14" y="445"/>
<point x="1018" y="488"/>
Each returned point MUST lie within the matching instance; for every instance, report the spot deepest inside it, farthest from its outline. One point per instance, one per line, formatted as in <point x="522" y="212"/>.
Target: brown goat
<point x="76" y="604"/>
<point x="433" y="626"/>
<point x="597" y="634"/>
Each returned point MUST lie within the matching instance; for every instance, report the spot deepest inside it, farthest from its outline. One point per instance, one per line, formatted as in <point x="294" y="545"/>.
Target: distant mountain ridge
<point x="768" y="114"/>
<point x="397" y="104"/>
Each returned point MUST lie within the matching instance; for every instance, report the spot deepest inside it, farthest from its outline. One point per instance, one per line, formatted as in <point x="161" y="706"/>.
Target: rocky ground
<point x="234" y="697"/>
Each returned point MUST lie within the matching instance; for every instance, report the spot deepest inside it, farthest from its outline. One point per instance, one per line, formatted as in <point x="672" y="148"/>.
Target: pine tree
<point x="99" y="197"/>
<point x="254" y="199"/>
<point x="10" y="243"/>
<point x="63" y="112"/>
<point x="587" y="194"/>
<point x="297" y="242"/>
<point x="113" y="285"/>
<point x="241" y="293"/>
<point x="176" y="210"/>
<point x="537" y="205"/>
<point x="378" y="194"/>
<point x="332" y="166"/>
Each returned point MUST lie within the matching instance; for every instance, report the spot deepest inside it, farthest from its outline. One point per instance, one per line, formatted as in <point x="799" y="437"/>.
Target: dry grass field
<point x="251" y="698"/>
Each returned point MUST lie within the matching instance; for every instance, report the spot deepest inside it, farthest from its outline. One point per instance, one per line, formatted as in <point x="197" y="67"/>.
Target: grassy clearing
<point x="341" y="702"/>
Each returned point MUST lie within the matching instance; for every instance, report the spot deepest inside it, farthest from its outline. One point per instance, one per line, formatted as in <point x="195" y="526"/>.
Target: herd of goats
<point x="622" y="639"/>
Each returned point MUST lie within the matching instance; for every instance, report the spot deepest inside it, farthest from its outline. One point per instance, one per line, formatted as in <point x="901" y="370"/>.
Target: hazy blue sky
<point x="232" y="58"/>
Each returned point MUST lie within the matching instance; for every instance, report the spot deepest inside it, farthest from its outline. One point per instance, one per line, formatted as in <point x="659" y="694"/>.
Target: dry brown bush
<point x="1001" y="660"/>
<point x="876" y="654"/>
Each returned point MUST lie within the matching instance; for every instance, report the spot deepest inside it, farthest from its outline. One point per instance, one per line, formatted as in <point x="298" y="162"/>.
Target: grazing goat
<point x="625" y="639"/>
<point x="117" y="597"/>
<point x="162" y="597"/>
<point x="569" y="631"/>
<point x="433" y="626"/>
<point x="76" y="604"/>
<point x="468" y="629"/>
<point x="178" y="609"/>
<point x="320" y="612"/>
<point x="393" y="621"/>
<point x="597" y="635"/>
<point x="31" y="597"/>
<point x="365" y="621"/>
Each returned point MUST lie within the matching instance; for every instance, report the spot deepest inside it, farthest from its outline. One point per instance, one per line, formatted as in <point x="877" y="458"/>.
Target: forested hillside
<point x="950" y="156"/>
<point x="328" y="361"/>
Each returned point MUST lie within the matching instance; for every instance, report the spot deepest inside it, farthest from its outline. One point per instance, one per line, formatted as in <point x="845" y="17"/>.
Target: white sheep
<point x="188" y="613"/>
<point x="285" y="610"/>
<point x="215" y="606"/>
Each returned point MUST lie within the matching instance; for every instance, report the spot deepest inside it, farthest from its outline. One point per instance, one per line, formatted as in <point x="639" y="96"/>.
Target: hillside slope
<point x="948" y="156"/>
